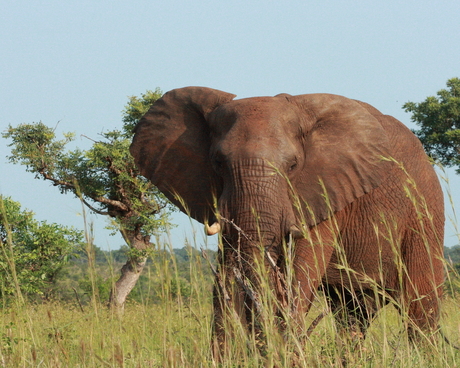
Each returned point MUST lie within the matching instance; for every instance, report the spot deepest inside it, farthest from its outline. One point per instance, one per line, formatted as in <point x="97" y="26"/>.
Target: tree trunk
<point x="131" y="271"/>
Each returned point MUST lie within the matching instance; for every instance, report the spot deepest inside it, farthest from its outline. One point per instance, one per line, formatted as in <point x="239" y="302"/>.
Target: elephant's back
<point x="417" y="170"/>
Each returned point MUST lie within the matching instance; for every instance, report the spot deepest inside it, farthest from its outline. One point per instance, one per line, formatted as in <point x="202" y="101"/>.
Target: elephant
<point x="350" y="189"/>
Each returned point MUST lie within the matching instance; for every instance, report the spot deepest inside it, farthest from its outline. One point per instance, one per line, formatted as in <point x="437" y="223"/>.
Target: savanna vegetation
<point x="55" y="286"/>
<point x="105" y="179"/>
<point x="167" y="318"/>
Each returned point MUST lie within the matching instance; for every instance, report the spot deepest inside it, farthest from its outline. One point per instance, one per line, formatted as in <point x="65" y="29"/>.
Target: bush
<point x="32" y="252"/>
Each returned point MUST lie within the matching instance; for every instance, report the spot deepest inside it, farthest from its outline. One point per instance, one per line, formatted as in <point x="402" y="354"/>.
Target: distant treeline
<point x="167" y="273"/>
<point x="91" y="273"/>
<point x="452" y="254"/>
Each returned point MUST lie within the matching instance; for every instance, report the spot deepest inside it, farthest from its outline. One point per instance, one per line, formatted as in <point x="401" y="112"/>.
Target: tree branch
<point x="101" y="199"/>
<point x="154" y="206"/>
<point x="56" y="182"/>
<point x="99" y="212"/>
<point x="91" y="139"/>
<point x="119" y="205"/>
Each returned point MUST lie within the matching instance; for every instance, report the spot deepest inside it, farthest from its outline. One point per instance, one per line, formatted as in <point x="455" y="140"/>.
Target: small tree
<point x="31" y="252"/>
<point x="439" y="121"/>
<point x="105" y="178"/>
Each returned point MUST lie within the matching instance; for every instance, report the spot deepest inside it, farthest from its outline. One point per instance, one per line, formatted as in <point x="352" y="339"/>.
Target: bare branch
<point x="99" y="212"/>
<point x="205" y="256"/>
<point x="91" y="139"/>
<point x="315" y="323"/>
<point x="247" y="287"/>
<point x="59" y="121"/>
<point x="216" y="275"/>
<point x="240" y="230"/>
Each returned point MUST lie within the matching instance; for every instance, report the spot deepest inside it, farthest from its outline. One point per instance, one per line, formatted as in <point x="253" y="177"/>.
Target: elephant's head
<point x="255" y="155"/>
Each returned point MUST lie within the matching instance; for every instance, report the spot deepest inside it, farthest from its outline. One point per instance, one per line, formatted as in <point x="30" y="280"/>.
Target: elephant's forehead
<point x="254" y="127"/>
<point x="254" y="116"/>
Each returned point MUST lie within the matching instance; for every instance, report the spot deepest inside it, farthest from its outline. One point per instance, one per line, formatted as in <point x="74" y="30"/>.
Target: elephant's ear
<point x="346" y="154"/>
<point x="171" y="148"/>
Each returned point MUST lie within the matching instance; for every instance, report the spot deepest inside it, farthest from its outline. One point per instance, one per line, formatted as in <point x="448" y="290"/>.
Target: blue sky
<point x="77" y="62"/>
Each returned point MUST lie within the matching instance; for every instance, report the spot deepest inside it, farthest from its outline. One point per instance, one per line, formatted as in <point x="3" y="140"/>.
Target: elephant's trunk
<point x="258" y="210"/>
<point x="256" y="217"/>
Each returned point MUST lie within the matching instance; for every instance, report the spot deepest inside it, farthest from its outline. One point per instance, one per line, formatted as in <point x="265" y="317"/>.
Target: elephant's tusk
<point x="213" y="229"/>
<point x="296" y="232"/>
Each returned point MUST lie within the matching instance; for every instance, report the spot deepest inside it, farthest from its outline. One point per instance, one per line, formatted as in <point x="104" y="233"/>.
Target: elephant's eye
<point x="218" y="163"/>
<point x="292" y="166"/>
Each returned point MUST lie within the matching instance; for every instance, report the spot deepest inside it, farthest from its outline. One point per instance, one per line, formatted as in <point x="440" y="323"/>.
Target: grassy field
<point x="174" y="330"/>
<point x="176" y="333"/>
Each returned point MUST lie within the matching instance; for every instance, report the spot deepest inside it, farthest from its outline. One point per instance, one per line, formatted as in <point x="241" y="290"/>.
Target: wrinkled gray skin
<point x="260" y="156"/>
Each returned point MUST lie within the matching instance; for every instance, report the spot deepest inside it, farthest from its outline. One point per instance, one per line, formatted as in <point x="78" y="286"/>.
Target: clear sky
<point x="77" y="62"/>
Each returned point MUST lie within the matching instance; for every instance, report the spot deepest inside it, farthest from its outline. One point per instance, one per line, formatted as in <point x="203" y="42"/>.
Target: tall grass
<point x="176" y="332"/>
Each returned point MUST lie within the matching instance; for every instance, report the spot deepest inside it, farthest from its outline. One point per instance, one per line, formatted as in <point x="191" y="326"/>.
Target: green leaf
<point x="439" y="120"/>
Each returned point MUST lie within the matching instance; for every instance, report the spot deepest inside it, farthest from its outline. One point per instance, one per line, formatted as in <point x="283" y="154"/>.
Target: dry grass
<point x="177" y="334"/>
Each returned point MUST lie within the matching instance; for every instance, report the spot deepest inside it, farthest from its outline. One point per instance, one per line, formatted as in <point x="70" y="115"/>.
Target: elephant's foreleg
<point x="312" y="256"/>
<point x="229" y="313"/>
